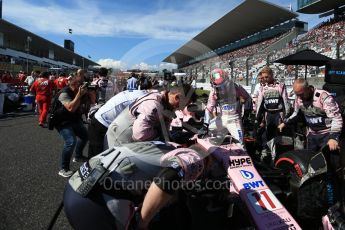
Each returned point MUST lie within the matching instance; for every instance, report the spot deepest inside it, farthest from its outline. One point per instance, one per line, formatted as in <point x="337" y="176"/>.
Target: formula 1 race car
<point x="291" y="194"/>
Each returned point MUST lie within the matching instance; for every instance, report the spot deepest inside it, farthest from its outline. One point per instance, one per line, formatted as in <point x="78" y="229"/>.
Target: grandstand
<point x="23" y="50"/>
<point x="246" y="46"/>
<point x="224" y="41"/>
<point x="320" y="6"/>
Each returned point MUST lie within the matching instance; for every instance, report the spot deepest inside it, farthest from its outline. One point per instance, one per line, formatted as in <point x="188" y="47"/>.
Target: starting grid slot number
<point x="264" y="201"/>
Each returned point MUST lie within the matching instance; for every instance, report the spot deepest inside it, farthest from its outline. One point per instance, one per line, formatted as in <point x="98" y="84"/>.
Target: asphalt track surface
<point x="30" y="187"/>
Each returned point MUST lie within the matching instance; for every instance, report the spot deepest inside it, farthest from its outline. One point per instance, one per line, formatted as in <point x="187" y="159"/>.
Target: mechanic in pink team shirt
<point x="147" y="118"/>
<point x="272" y="105"/>
<point x="321" y="113"/>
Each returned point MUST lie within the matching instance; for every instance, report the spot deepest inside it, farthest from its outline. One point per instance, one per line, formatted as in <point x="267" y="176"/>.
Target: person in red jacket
<point x="43" y="89"/>
<point x="61" y="82"/>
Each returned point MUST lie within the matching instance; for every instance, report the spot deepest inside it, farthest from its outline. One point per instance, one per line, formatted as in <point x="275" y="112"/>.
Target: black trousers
<point x="97" y="132"/>
<point x="272" y="120"/>
<point x="87" y="212"/>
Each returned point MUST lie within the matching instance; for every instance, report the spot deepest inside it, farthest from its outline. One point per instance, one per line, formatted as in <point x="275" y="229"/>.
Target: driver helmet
<point x="218" y="77"/>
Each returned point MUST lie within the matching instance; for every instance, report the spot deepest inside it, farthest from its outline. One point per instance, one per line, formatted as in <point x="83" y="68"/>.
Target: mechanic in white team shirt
<point x="105" y="115"/>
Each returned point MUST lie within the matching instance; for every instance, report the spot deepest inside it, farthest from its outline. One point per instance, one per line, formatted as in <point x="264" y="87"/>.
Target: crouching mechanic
<point x="106" y="115"/>
<point x="148" y="117"/>
<point x="321" y="113"/>
<point x="109" y="205"/>
<point x="226" y="97"/>
<point x="180" y="165"/>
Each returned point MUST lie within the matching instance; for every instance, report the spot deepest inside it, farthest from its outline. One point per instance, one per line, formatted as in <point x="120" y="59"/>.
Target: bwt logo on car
<point x="254" y="184"/>
<point x="236" y="163"/>
<point x="246" y="174"/>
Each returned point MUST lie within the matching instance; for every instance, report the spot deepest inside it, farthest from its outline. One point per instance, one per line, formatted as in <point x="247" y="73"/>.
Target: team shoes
<point x="69" y="173"/>
<point x="65" y="173"/>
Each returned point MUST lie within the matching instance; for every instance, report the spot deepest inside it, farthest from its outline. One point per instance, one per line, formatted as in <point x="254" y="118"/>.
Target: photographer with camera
<point x="70" y="124"/>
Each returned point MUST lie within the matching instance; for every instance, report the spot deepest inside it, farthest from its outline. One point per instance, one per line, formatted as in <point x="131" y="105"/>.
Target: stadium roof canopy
<point x="246" y="19"/>
<point x="19" y="36"/>
<point x="321" y="6"/>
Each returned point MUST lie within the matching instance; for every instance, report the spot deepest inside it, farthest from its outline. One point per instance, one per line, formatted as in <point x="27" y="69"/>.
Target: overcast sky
<point x="124" y="33"/>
